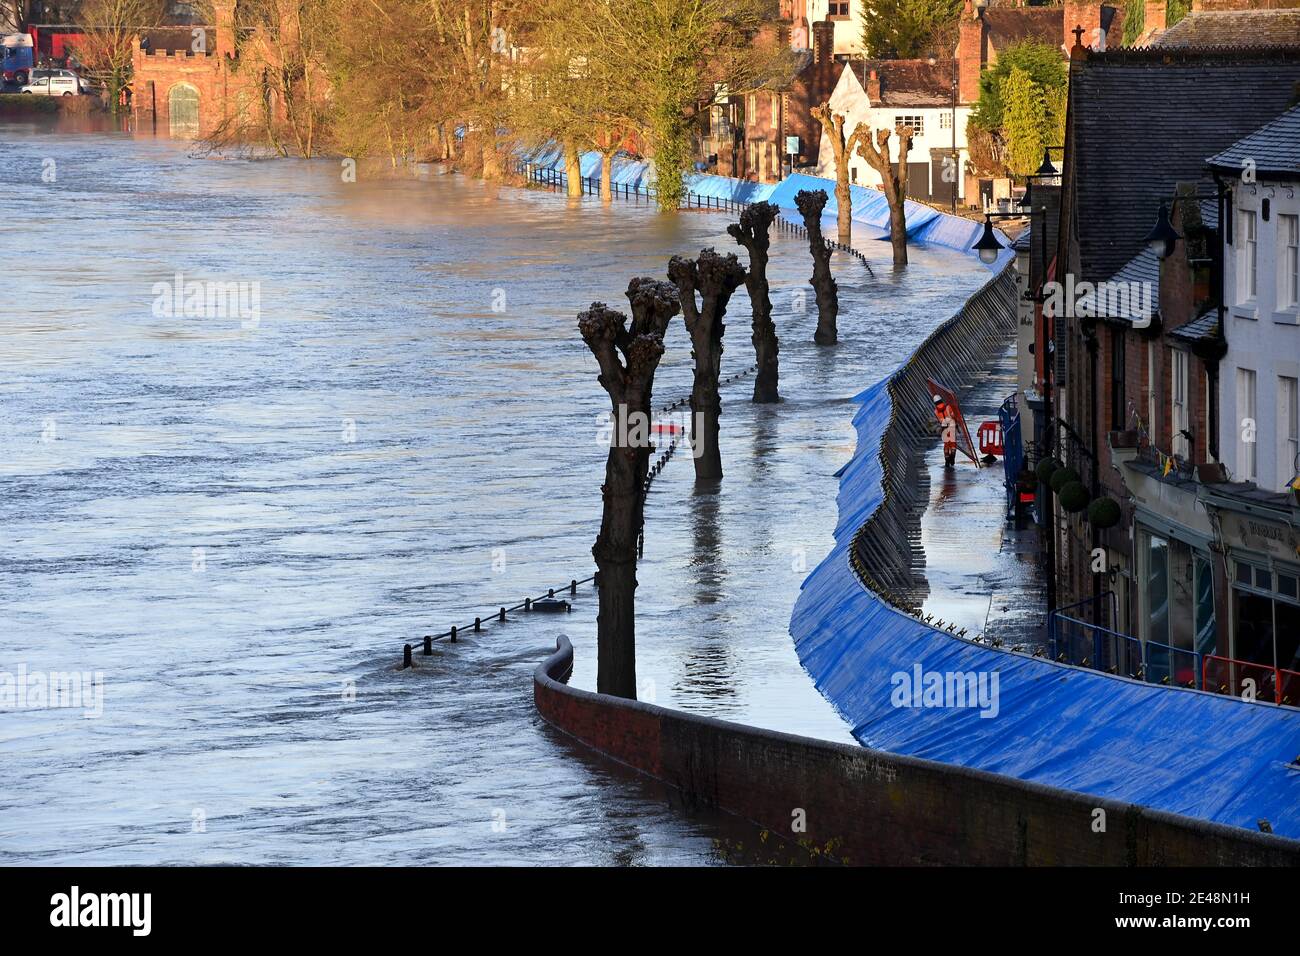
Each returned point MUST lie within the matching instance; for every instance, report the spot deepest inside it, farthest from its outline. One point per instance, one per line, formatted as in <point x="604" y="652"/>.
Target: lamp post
<point x="988" y="248"/>
<point x="956" y="156"/>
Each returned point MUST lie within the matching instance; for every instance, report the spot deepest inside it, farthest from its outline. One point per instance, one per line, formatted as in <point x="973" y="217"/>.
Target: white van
<point x="56" y="83"/>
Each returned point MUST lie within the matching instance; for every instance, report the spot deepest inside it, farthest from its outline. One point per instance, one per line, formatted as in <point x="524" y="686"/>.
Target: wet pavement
<point x="983" y="571"/>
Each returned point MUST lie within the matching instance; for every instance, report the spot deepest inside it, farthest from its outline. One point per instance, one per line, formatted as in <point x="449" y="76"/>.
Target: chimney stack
<point x="1154" y="17"/>
<point x="823" y="41"/>
<point x="873" y="88"/>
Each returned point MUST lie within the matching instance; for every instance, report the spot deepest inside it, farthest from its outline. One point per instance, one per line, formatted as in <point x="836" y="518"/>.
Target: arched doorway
<point x="183" y="111"/>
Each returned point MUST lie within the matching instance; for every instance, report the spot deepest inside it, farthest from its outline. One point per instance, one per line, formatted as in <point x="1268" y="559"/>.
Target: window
<point x="1118" y="401"/>
<point x="945" y="121"/>
<point x="1288" y="430"/>
<point x="1267" y="623"/>
<point x="853" y="174"/>
<point x="1246" y="444"/>
<point x="1178" y="404"/>
<point x="1203" y="606"/>
<point x="1248" y="261"/>
<point x="1157" y="589"/>
<point x="1288" y="262"/>
<point x="915" y="121"/>
<point x="837" y="8"/>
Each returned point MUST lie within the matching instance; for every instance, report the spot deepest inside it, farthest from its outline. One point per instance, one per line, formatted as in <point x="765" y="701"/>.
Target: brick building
<point x="1137" y="359"/>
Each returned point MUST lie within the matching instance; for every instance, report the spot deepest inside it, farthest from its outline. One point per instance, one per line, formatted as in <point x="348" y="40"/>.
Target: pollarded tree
<point x="752" y="233"/>
<point x="894" y="180"/>
<point x="628" y="357"/>
<point x="841" y="150"/>
<point x="811" y="202"/>
<point x="715" y="277"/>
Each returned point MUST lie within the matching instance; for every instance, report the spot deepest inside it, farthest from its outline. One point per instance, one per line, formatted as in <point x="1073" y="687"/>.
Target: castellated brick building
<point x="199" y="81"/>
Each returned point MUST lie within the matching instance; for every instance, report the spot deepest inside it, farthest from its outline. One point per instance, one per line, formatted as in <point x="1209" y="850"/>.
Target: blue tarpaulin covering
<point x="869" y="206"/>
<point x="1183" y="751"/>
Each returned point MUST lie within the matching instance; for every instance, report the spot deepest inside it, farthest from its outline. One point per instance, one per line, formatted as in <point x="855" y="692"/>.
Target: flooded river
<point x="239" y="519"/>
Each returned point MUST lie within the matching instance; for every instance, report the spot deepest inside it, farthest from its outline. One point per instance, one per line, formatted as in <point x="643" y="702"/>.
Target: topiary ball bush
<point x="1046" y="468"/>
<point x="1074" y="497"/>
<point x="1062" y="477"/>
<point x="1103" y="513"/>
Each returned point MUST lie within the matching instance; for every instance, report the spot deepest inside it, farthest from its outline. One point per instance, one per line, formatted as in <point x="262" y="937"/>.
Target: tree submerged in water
<point x="628" y="356"/>
<point x="752" y="233"/>
<point x="715" y="277"/>
<point x="811" y="202"/>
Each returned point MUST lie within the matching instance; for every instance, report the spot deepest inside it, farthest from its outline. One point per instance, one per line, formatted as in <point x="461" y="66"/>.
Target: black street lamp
<point x="1163" y="235"/>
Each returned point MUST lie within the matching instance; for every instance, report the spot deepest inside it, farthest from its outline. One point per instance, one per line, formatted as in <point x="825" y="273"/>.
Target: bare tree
<point x="628" y="357"/>
<point x="842" y="150"/>
<point x="811" y="203"/>
<point x="715" y="277"/>
<point x="108" y="40"/>
<point x="895" y="180"/>
<point x="752" y="233"/>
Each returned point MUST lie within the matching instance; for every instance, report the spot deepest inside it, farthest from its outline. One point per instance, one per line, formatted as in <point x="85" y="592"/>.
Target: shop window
<point x="1203" y="584"/>
<point x="1157" y="589"/>
<point x="1266" y="617"/>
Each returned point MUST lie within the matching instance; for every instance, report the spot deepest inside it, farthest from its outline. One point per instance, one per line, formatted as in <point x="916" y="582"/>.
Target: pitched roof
<point x="1234" y="28"/>
<point x="1273" y="148"/>
<point x="1143" y="121"/>
<point x="907" y="82"/>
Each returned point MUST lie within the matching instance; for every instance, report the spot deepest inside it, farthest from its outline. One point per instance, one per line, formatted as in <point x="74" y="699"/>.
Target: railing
<point x="1275" y="685"/>
<point x="1082" y="644"/>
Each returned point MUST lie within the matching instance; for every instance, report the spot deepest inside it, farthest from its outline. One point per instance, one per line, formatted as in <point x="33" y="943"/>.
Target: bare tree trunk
<point x="811" y="203"/>
<point x="716" y="277"/>
<point x="572" y="170"/>
<point x="752" y="233"/>
<point x="893" y="180"/>
<point x="842" y="150"/>
<point x="606" y="171"/>
<point x="628" y="358"/>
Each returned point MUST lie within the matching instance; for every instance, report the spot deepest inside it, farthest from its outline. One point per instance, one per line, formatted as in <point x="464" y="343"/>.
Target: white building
<point x="845" y="15"/>
<point x="1259" y="386"/>
<point x="886" y="94"/>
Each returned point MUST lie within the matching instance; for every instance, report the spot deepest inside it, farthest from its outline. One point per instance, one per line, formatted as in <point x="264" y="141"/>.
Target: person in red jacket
<point x="949" y="424"/>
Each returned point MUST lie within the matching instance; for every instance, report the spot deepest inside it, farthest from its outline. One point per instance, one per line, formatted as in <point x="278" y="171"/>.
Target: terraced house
<point x="1180" y="407"/>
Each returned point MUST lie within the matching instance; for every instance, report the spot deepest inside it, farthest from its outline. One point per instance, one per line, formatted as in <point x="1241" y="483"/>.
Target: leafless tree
<point x="752" y="233"/>
<point x="811" y="202"/>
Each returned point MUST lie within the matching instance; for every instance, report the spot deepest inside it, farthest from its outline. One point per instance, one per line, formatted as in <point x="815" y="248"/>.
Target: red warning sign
<point x="990" y="437"/>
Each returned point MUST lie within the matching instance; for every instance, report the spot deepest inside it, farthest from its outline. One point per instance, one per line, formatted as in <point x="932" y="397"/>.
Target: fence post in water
<point x="573" y="586"/>
<point x="528" y="604"/>
<point x="478" y="624"/>
<point x="406" y="656"/>
<point x="501" y="614"/>
<point x="428" y="644"/>
<point x="453" y="633"/>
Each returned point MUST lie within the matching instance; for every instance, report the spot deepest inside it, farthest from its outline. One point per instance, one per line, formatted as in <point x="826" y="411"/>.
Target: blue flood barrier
<point x="1181" y="750"/>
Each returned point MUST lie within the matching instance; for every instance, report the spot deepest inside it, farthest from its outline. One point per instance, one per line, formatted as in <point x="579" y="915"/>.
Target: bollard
<point x="595" y="580"/>
<point x="428" y="644"/>
<point x="406" y="656"/>
<point x="573" y="586"/>
<point x="528" y="604"/>
<point x="478" y="624"/>
<point x="550" y="593"/>
<point x="501" y="614"/>
<point x="453" y="633"/>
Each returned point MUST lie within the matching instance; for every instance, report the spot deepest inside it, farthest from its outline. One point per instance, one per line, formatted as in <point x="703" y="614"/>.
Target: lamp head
<point x="1163" y="235"/>
<point x="988" y="246"/>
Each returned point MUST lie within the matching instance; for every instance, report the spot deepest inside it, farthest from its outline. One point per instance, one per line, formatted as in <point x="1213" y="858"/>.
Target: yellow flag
<point x="1169" y="464"/>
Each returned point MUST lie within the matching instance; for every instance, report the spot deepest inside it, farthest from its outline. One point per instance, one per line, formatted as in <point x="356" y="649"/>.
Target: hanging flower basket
<point x="1074" y="497"/>
<point x="1062" y="477"/>
<point x="1104" y="513"/>
<point x="1046" y="468"/>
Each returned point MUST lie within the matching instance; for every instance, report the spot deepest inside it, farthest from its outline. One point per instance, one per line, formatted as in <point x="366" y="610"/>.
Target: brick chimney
<point x="873" y="88"/>
<point x="1153" y="16"/>
<point x="1076" y="14"/>
<point x="823" y="43"/>
<point x="971" y="53"/>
